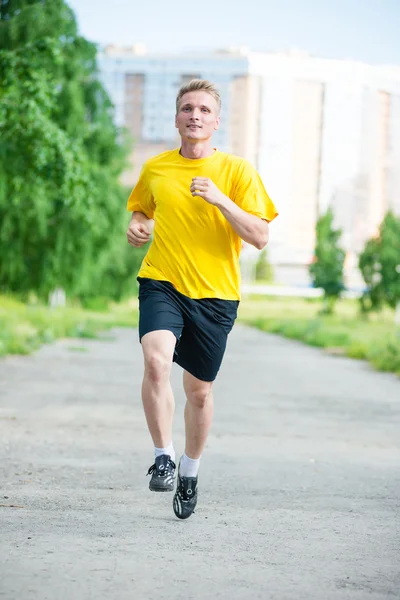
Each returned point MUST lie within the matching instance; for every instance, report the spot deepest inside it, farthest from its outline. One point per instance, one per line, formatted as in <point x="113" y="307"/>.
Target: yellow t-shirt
<point x="194" y="247"/>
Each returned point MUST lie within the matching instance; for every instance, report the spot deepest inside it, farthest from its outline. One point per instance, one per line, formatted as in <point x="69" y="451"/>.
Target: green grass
<point x="77" y="349"/>
<point x="24" y="328"/>
<point x="374" y="339"/>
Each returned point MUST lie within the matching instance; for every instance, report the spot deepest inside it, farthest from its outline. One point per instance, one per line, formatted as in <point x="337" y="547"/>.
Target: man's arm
<point x="139" y="230"/>
<point x="250" y="228"/>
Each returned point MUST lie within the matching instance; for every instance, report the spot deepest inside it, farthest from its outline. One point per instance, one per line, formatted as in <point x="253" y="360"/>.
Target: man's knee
<point x="200" y="395"/>
<point x="158" y="348"/>
<point x="157" y="365"/>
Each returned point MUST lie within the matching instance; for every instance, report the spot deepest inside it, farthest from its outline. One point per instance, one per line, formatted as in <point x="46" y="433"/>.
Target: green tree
<point x="62" y="207"/>
<point x="263" y="267"/>
<point x="116" y="270"/>
<point x="326" y="269"/>
<point x="379" y="264"/>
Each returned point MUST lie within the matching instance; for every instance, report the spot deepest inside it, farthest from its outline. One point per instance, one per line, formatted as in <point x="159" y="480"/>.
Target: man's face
<point x="197" y="117"/>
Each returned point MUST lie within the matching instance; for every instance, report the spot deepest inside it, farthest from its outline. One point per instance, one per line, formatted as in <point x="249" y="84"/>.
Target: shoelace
<point x="183" y="491"/>
<point x="169" y="464"/>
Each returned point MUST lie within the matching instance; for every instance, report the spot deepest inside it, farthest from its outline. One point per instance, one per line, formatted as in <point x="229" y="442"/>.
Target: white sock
<point x="168" y="450"/>
<point x="189" y="467"/>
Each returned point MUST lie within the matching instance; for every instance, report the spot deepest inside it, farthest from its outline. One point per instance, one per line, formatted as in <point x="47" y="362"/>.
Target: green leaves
<point x="263" y="271"/>
<point x="326" y="269"/>
<point x="62" y="209"/>
<point x="379" y="264"/>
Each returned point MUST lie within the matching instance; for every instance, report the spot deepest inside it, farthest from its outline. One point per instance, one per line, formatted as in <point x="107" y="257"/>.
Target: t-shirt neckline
<point x="196" y="161"/>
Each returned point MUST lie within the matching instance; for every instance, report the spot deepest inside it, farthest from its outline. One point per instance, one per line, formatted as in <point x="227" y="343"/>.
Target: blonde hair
<point x="199" y="85"/>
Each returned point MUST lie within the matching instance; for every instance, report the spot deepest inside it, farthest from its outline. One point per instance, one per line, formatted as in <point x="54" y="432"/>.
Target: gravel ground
<point x="299" y="491"/>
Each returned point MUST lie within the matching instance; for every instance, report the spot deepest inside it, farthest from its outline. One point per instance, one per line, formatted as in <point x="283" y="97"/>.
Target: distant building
<point x="320" y="132"/>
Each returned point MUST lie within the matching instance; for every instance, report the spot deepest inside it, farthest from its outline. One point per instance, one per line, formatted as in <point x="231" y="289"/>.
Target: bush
<point x="344" y="334"/>
<point x="313" y="332"/>
<point x="379" y="264"/>
<point x="357" y="350"/>
<point x="24" y="328"/>
<point x="386" y="355"/>
<point x="326" y="269"/>
<point x="263" y="268"/>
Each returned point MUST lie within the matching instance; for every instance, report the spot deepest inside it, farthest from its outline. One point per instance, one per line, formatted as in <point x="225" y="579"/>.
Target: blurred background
<point x="310" y="96"/>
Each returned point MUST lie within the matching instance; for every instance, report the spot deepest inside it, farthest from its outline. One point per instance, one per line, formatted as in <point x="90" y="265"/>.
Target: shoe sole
<point x="176" y="508"/>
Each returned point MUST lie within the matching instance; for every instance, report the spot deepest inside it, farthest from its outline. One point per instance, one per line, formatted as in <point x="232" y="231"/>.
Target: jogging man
<point x="202" y="204"/>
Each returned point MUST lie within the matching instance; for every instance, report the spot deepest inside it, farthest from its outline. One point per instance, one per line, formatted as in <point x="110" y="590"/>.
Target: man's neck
<point x="197" y="150"/>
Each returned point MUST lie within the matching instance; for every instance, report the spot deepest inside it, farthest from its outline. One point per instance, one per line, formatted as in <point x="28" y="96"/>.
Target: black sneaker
<point x="185" y="498"/>
<point x="162" y="474"/>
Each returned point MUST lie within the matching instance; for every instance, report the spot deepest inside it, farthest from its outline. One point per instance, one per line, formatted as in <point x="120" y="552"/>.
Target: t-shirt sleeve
<point x="141" y="198"/>
<point x="250" y="194"/>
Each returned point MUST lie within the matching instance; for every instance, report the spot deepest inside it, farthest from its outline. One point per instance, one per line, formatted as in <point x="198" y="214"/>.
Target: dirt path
<point x="299" y="486"/>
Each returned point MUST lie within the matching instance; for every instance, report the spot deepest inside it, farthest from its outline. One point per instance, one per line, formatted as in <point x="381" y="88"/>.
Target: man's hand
<point x="205" y="188"/>
<point x="249" y="227"/>
<point x="137" y="234"/>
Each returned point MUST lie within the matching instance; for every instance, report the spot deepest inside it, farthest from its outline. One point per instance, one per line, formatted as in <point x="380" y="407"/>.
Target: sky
<point x="366" y="30"/>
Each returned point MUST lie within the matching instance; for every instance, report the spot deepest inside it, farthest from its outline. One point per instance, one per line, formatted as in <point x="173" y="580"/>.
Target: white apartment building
<point x="320" y="132"/>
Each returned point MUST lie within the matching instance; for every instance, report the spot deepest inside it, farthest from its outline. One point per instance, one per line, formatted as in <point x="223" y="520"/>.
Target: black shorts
<point x="201" y="327"/>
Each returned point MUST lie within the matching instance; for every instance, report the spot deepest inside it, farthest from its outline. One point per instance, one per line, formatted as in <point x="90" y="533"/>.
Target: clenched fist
<point x="137" y="234"/>
<point x="206" y="188"/>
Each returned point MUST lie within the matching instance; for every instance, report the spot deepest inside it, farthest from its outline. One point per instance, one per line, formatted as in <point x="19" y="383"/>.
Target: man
<point x="202" y="203"/>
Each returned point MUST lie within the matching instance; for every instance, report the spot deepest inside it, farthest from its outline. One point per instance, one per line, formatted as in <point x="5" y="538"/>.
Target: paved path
<point x="299" y="489"/>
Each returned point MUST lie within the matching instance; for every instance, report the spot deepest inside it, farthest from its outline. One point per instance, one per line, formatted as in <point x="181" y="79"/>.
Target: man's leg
<point x="158" y="400"/>
<point x="200" y="352"/>
<point x="158" y="403"/>
<point x="198" y="414"/>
